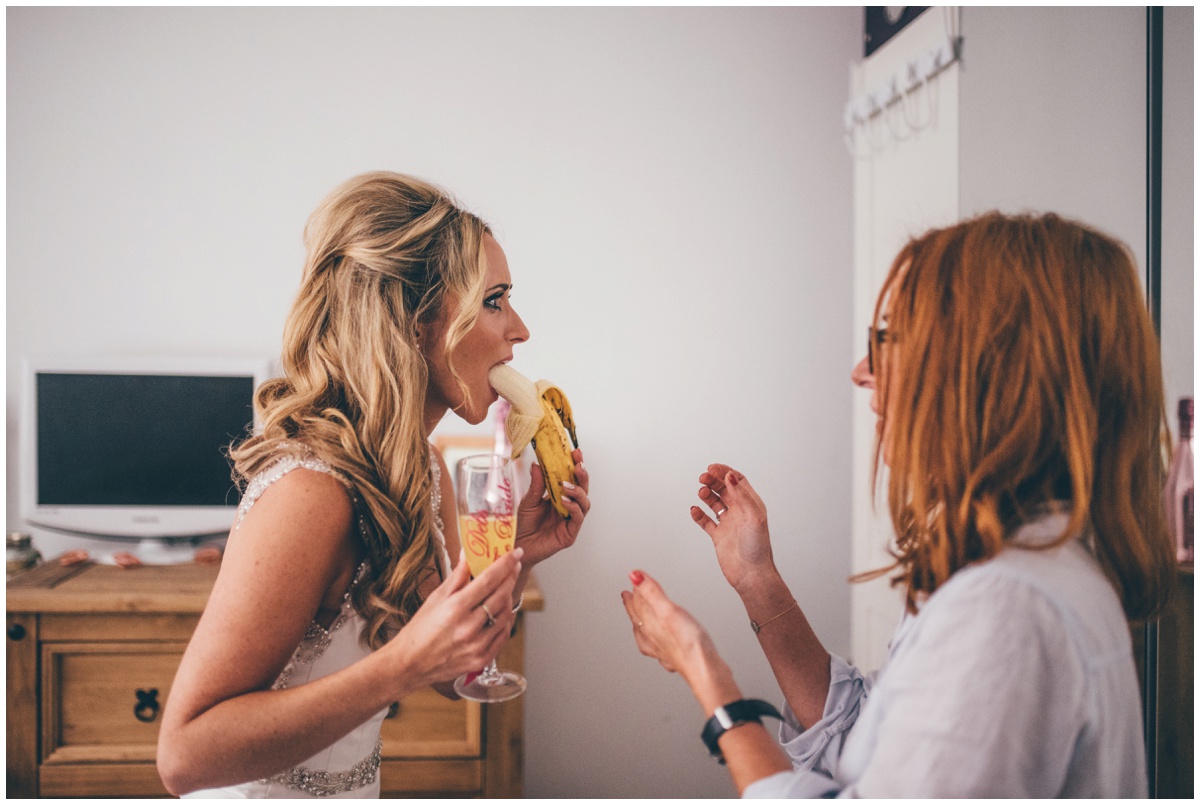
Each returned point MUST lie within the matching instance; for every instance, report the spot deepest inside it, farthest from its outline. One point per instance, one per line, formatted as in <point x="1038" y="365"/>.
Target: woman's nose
<point x="861" y="375"/>
<point x="519" y="333"/>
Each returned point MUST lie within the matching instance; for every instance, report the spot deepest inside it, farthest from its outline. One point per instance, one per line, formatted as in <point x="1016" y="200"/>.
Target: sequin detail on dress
<point x="435" y="494"/>
<point x="317" y="638"/>
<point x="328" y="783"/>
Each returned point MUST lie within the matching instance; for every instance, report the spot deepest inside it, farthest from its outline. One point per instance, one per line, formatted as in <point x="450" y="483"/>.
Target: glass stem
<point x="491" y="675"/>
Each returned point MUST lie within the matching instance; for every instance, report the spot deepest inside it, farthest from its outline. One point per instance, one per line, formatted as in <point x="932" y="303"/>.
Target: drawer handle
<point x="146" y="709"/>
<point x="16" y="632"/>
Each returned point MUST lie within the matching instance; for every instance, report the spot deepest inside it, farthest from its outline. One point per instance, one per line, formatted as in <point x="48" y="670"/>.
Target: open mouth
<point x="488" y="376"/>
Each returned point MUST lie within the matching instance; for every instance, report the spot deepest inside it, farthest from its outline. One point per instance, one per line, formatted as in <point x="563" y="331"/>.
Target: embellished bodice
<point x="350" y="766"/>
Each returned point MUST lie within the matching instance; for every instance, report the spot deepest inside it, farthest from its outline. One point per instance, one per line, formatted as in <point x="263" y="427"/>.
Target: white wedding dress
<point x="348" y="768"/>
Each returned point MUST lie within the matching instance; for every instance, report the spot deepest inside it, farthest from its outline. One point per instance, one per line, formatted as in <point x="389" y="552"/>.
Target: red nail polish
<point x="733" y="481"/>
<point x="637" y="577"/>
<point x="470" y="677"/>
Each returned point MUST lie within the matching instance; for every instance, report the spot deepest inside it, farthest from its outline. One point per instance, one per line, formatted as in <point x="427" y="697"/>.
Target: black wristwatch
<point x="729" y="716"/>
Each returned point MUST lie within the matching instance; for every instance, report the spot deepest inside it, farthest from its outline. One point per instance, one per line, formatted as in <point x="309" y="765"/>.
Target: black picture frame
<point x="881" y="23"/>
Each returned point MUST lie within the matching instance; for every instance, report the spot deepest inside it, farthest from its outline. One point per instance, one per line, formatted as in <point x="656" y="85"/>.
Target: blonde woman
<point x="342" y="588"/>
<point x="1015" y="374"/>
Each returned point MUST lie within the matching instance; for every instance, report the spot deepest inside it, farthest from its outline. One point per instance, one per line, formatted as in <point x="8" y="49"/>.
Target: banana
<point x="540" y="414"/>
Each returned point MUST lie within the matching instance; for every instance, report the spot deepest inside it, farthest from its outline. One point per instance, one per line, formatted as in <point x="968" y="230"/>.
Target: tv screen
<point x="139" y="440"/>
<point x="134" y="448"/>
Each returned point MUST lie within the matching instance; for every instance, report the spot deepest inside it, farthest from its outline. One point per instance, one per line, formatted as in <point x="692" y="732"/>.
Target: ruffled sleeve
<point x="814" y="752"/>
<point x="819" y="747"/>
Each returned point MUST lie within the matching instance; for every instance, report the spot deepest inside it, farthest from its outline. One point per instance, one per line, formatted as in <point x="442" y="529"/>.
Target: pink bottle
<point x="1179" y="492"/>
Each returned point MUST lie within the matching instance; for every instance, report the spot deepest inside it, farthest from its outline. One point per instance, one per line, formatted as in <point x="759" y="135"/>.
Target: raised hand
<point x="737" y="526"/>
<point x="541" y="530"/>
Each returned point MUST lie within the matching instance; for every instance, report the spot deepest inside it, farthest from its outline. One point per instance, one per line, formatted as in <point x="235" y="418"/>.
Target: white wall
<point x="1179" y="206"/>
<point x="905" y="182"/>
<point x="1058" y="123"/>
<point x="674" y="198"/>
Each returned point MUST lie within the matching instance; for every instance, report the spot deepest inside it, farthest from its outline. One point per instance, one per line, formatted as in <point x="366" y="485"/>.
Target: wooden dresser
<point x="1169" y="692"/>
<point x="92" y="653"/>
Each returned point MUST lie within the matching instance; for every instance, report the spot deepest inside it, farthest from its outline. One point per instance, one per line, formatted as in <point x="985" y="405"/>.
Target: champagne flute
<point x="485" y="494"/>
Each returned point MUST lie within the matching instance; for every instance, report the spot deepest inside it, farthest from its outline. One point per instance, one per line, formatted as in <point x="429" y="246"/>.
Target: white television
<point x="134" y="450"/>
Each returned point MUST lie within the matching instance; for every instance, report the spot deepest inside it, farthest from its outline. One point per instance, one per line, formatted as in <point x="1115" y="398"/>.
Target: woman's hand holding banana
<point x="552" y="511"/>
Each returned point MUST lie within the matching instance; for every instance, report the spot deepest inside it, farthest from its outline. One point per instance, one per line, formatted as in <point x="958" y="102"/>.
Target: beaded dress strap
<point x="262" y="482"/>
<point x="435" y="497"/>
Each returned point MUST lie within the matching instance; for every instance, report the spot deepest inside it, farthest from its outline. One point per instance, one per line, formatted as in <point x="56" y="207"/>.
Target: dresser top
<point x="89" y="587"/>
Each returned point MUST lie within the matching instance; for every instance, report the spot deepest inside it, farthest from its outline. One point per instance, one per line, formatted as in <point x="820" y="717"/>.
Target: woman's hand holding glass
<point x="541" y="531"/>
<point x="737" y="526"/>
<point x="449" y="635"/>
<point x="485" y="499"/>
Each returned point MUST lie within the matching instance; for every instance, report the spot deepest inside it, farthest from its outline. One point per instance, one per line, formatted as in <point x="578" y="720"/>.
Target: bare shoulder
<point x="299" y="534"/>
<point x="296" y="547"/>
<point x="319" y="499"/>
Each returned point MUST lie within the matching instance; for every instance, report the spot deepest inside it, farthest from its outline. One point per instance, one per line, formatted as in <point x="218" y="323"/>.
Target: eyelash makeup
<point x="493" y="302"/>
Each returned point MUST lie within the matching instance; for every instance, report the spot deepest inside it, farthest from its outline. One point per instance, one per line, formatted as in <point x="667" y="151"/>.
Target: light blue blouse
<point x="1015" y="679"/>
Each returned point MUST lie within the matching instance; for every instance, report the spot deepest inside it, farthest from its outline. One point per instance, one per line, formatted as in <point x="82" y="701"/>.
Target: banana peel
<point x="541" y="415"/>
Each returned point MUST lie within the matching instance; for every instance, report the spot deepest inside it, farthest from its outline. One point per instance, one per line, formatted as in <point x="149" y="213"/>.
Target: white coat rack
<point x="902" y="105"/>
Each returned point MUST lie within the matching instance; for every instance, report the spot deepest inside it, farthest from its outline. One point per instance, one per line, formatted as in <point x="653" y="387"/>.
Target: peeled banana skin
<point x="540" y="414"/>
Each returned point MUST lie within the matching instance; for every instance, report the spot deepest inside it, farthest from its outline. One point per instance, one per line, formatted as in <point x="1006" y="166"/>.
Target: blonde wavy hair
<point x="385" y="254"/>
<point x="1027" y="372"/>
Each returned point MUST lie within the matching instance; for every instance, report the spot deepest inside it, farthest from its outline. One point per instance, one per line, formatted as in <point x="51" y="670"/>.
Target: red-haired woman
<point x="1015" y="373"/>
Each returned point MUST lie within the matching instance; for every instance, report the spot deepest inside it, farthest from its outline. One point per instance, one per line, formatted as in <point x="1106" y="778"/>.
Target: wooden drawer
<point x="431" y="778"/>
<point x="426" y="724"/>
<point x="102" y="702"/>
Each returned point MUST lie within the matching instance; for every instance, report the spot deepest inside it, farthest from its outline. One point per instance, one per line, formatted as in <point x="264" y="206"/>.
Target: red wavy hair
<point x="1025" y="371"/>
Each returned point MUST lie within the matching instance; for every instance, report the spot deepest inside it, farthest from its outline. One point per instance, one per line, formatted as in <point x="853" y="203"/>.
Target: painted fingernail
<point x="569" y="485"/>
<point x="732" y="479"/>
<point x="637" y="577"/>
<point x="471" y="675"/>
<point x="518" y="553"/>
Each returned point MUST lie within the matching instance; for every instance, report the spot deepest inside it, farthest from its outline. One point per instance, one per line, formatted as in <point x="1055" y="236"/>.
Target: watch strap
<point x="731" y="715"/>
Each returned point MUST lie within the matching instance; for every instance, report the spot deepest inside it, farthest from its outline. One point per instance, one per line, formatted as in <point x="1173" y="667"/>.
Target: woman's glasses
<point x="876" y="337"/>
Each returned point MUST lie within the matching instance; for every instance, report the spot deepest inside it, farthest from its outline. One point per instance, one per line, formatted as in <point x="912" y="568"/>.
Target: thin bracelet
<point x="520" y="601"/>
<point x="757" y="627"/>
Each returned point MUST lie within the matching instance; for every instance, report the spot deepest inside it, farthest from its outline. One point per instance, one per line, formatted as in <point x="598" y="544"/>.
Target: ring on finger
<point x="491" y="621"/>
<point x="721" y="513"/>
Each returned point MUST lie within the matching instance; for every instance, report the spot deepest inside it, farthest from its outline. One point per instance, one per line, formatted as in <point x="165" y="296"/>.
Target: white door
<point x="905" y="181"/>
